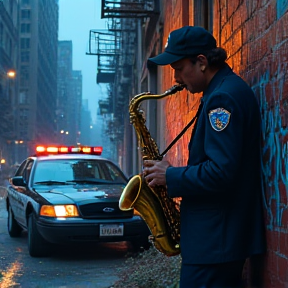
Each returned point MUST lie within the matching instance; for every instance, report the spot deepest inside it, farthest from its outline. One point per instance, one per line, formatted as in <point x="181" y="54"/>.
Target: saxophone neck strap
<point x="183" y="131"/>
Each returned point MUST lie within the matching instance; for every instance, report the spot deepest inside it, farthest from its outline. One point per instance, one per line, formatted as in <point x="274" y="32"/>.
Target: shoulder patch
<point x="219" y="118"/>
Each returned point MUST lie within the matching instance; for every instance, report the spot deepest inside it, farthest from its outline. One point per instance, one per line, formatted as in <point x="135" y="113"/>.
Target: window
<point x="27" y="171"/>
<point x="20" y="170"/>
<point x="11" y="7"/>
<point x="25" y="56"/>
<point x="78" y="170"/>
<point x="25" y="2"/>
<point x="203" y="15"/>
<point x="1" y="34"/>
<point x="25" y="43"/>
<point x="114" y="172"/>
<point x="24" y="74"/>
<point x="23" y="97"/>
<point x="25" y="14"/>
<point x="23" y="114"/>
<point x="25" y="28"/>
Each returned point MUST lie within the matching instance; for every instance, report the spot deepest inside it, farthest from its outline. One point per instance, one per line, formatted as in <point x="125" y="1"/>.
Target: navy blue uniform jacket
<point x="221" y="207"/>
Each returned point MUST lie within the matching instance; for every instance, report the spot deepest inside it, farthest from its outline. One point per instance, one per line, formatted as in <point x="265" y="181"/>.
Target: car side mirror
<point x="18" y="181"/>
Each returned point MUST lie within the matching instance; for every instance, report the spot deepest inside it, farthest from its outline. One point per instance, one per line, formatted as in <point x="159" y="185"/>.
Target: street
<point x="89" y="266"/>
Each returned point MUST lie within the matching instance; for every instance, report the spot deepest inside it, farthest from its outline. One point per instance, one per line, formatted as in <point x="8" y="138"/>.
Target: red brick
<point x="282" y="269"/>
<point x="283" y="245"/>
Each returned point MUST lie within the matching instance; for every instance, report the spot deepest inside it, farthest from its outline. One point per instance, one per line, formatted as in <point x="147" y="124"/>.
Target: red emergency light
<point x="48" y="150"/>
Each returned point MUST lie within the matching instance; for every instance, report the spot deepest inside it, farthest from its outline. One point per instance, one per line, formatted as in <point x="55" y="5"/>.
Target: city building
<point x="69" y="96"/>
<point x="85" y="124"/>
<point x="9" y="69"/>
<point x="76" y="101"/>
<point x="36" y="105"/>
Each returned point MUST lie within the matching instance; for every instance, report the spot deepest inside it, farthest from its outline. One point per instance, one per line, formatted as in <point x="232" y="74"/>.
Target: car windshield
<point x="69" y="171"/>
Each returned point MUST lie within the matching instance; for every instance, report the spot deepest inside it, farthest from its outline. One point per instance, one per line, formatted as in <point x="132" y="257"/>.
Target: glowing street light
<point x="11" y="74"/>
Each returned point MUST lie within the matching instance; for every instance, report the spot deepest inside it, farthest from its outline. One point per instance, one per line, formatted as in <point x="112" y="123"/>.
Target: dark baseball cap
<point x="183" y="43"/>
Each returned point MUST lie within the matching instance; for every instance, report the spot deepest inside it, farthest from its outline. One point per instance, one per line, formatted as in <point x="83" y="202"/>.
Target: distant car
<point x="70" y="195"/>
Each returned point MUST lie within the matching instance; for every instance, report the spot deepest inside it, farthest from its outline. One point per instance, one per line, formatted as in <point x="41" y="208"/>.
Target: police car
<point x="71" y="195"/>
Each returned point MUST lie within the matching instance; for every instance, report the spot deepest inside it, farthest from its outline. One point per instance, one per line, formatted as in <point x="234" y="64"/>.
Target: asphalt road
<point x="82" y="267"/>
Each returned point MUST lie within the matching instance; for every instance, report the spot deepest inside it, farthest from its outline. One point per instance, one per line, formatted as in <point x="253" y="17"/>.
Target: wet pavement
<point x="81" y="267"/>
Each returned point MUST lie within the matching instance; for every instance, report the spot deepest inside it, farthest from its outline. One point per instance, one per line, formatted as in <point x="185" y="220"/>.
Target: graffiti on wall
<point x="275" y="151"/>
<point x="282" y="7"/>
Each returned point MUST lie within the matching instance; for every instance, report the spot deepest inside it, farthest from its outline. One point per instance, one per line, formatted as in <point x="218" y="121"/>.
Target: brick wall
<point x="176" y="14"/>
<point x="255" y="34"/>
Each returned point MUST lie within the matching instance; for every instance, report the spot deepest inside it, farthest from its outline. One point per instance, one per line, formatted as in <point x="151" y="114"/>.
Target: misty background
<point x="76" y="19"/>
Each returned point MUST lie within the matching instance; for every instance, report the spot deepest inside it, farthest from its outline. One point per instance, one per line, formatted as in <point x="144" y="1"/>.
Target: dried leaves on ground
<point x="149" y="269"/>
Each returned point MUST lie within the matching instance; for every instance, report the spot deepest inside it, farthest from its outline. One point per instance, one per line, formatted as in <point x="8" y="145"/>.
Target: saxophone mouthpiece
<point x="180" y="87"/>
<point x="175" y="88"/>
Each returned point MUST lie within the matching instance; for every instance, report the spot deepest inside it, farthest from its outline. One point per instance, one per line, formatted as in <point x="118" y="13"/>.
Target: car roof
<point x="68" y="156"/>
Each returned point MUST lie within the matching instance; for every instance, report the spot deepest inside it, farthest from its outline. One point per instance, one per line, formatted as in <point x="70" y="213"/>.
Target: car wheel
<point x="14" y="229"/>
<point x="37" y="245"/>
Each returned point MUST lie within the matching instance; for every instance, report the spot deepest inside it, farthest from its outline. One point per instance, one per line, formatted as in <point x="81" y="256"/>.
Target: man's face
<point x="185" y="72"/>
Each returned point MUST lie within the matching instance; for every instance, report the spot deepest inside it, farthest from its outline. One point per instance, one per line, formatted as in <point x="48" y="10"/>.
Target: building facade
<point x="76" y="102"/>
<point x="9" y="40"/>
<point x="69" y="96"/>
<point x="86" y="122"/>
<point x="36" y="105"/>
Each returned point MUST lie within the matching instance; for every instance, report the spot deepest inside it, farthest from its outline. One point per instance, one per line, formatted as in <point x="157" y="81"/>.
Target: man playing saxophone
<point x="221" y="208"/>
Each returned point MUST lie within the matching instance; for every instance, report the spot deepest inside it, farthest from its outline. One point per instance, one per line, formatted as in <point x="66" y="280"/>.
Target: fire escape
<point x="116" y="50"/>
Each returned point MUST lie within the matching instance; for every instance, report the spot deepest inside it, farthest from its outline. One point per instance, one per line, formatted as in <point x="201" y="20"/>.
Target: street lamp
<point x="11" y="74"/>
<point x="7" y="119"/>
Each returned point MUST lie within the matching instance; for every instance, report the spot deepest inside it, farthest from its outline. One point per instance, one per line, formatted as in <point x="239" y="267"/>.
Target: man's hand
<point x="155" y="172"/>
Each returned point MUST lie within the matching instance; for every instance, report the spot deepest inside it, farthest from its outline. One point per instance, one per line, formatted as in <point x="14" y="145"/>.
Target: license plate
<point x="111" y="230"/>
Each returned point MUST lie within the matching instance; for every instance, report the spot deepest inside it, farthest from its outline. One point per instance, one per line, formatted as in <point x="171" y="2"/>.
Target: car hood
<point x="79" y="193"/>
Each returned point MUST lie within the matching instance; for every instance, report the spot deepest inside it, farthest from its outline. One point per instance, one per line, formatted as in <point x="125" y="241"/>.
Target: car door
<point x="24" y="194"/>
<point x="13" y="194"/>
<point x="21" y="194"/>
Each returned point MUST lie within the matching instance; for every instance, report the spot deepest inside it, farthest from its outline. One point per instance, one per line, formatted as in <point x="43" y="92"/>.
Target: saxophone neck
<point x="147" y="95"/>
<point x="148" y="146"/>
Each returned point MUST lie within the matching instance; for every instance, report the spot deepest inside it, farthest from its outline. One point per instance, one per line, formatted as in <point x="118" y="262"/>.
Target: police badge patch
<point x="219" y="118"/>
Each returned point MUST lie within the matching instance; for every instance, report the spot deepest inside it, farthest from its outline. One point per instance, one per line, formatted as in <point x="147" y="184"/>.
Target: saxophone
<point x="159" y="211"/>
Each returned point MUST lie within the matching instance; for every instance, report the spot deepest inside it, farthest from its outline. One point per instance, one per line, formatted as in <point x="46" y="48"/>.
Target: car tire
<point x="14" y="229"/>
<point x="37" y="245"/>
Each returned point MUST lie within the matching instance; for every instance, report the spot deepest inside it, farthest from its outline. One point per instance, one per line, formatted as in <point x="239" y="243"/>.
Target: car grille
<point x="104" y="210"/>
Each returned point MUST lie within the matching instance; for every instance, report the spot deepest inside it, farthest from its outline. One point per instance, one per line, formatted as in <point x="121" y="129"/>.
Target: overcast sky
<point x="76" y="19"/>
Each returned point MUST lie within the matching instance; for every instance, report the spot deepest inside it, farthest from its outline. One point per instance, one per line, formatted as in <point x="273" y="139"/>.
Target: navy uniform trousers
<point x="224" y="275"/>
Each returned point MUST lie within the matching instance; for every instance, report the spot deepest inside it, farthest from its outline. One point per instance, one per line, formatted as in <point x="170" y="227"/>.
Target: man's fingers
<point x="152" y="183"/>
<point x="149" y="163"/>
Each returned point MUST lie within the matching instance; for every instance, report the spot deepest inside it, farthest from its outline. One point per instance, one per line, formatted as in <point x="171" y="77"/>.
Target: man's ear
<point x="203" y="62"/>
<point x="202" y="59"/>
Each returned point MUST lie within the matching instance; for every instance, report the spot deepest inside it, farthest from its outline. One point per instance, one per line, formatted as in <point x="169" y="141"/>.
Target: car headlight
<point x="59" y="211"/>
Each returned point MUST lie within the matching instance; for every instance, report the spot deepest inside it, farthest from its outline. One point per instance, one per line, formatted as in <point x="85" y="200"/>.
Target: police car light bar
<point x="68" y="150"/>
